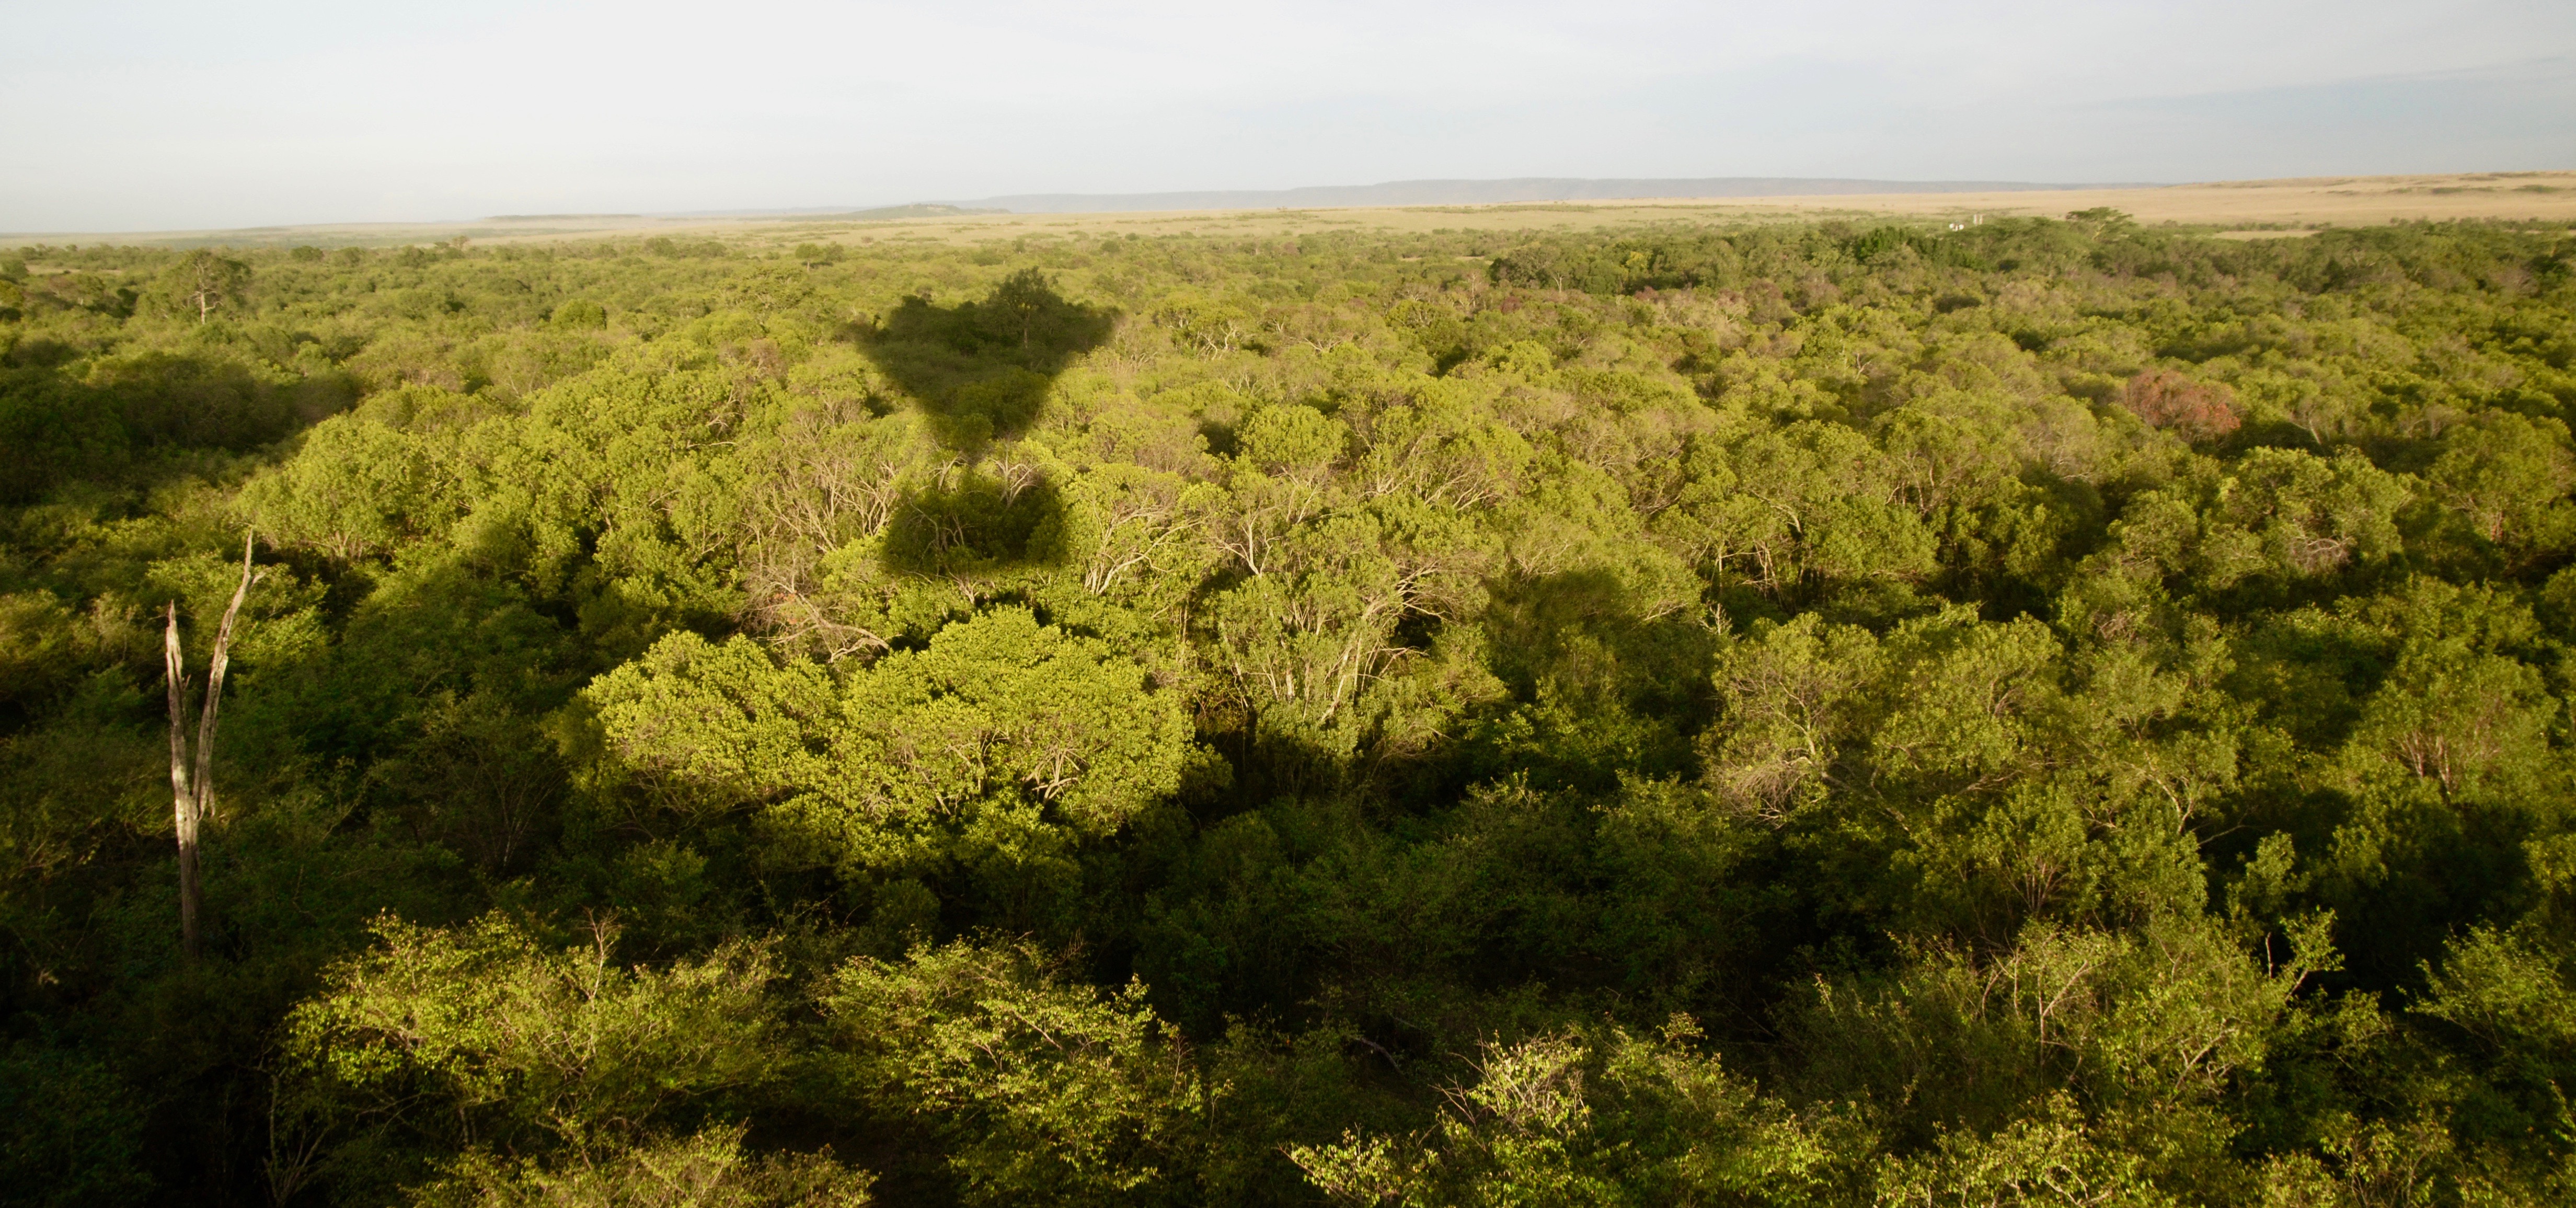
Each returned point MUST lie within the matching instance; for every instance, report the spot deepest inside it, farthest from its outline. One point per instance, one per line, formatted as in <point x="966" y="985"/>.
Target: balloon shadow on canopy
<point x="980" y="371"/>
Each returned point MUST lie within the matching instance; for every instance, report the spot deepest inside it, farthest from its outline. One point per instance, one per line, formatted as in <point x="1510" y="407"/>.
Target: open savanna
<point x="2251" y="208"/>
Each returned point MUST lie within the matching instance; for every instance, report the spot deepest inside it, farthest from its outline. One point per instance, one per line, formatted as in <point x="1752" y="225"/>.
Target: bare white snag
<point x="184" y="805"/>
<point x="193" y="797"/>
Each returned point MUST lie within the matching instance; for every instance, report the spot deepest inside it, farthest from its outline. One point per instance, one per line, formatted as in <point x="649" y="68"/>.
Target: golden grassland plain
<point x="2233" y="209"/>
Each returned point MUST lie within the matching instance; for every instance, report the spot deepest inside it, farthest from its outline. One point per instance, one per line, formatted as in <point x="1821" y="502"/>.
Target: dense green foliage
<point x="2053" y="712"/>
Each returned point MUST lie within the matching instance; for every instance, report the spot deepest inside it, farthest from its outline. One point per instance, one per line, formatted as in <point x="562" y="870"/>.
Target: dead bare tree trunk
<point x="193" y="797"/>
<point x="184" y="802"/>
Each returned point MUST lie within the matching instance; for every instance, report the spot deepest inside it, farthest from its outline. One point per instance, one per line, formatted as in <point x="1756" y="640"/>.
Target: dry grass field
<point x="2236" y="209"/>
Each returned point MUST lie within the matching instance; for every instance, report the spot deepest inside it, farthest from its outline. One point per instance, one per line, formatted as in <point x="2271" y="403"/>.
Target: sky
<point x="120" y="116"/>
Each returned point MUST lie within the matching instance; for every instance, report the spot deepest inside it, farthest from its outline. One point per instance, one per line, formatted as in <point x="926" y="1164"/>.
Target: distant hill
<point x="918" y="209"/>
<point x="1486" y="192"/>
<point x="924" y="209"/>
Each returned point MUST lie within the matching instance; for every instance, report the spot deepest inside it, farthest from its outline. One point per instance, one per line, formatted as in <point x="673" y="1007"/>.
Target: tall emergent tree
<point x="1024" y="295"/>
<point x="205" y="279"/>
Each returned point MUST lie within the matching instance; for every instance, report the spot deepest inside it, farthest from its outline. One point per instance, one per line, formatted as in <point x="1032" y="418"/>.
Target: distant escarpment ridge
<point x="1488" y="192"/>
<point x="925" y="209"/>
<point x="918" y="209"/>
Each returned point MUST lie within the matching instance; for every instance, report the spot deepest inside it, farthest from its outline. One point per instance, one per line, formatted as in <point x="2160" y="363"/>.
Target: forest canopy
<point x="2050" y="712"/>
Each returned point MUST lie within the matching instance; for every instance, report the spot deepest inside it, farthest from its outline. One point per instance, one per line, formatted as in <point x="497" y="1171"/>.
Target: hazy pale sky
<point x="134" y="116"/>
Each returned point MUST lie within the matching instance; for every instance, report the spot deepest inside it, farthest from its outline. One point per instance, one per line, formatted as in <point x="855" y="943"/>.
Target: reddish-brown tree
<point x="2195" y="410"/>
